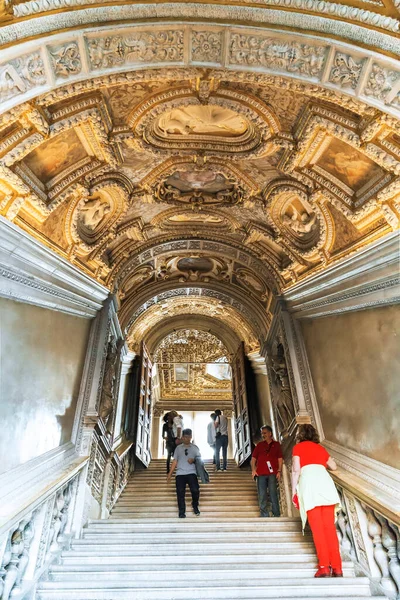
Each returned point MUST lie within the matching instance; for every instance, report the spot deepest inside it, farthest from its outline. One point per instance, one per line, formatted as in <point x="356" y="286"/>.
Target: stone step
<point x="163" y="486"/>
<point x="215" y="482"/>
<point x="210" y="505"/>
<point x="275" y="588"/>
<point x="195" y="537"/>
<point x="122" y="595"/>
<point x="190" y="517"/>
<point x="271" y="521"/>
<point x="186" y="577"/>
<point x="225" y="548"/>
<point x="214" y="475"/>
<point x="160" y="502"/>
<point x="262" y="526"/>
<point x="205" y="488"/>
<point x="209" y="561"/>
<point x="171" y="514"/>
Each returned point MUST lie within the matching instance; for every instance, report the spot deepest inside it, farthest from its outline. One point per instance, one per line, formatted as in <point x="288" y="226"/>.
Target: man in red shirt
<point x="266" y="468"/>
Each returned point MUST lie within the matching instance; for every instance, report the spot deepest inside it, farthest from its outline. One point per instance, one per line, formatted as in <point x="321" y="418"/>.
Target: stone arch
<point x="214" y="315"/>
<point x="36" y="69"/>
<point x="253" y="313"/>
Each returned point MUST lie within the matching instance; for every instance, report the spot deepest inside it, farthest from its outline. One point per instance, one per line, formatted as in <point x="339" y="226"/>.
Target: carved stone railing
<point x="31" y="544"/>
<point x="371" y="539"/>
<point x="34" y="534"/>
<point x="108" y="470"/>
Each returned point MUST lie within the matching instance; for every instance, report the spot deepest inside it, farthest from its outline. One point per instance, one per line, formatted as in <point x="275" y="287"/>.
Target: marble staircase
<point x="144" y="552"/>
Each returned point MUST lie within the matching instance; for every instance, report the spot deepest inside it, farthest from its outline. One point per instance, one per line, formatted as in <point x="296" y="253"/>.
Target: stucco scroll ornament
<point x="66" y="60"/>
<point x="346" y="71"/>
<point x="141" y="275"/>
<point x="21" y="74"/>
<point x="232" y="194"/>
<point x="108" y="394"/>
<point x="296" y="218"/>
<point x="193" y="268"/>
<point x="252" y="283"/>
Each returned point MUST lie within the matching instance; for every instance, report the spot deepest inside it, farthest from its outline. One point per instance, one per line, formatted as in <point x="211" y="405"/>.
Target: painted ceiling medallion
<point x="199" y="187"/>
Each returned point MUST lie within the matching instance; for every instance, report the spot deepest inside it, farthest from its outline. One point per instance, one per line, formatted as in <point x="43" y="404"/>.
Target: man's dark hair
<point x="267" y="427"/>
<point x="187" y="432"/>
<point x="213" y="416"/>
<point x="218" y="412"/>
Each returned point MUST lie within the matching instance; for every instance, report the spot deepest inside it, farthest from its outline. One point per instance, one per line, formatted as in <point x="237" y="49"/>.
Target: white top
<point x="211" y="433"/>
<point x="177" y="424"/>
<point x="316" y="488"/>
<point x="222" y="425"/>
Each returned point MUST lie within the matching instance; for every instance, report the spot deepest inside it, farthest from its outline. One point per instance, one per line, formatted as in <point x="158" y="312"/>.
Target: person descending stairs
<point x="145" y="552"/>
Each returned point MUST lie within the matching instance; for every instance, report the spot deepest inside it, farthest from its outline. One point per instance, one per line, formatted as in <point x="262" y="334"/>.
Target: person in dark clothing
<point x="169" y="437"/>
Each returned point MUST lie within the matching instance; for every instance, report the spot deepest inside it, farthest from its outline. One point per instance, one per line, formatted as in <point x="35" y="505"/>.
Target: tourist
<point x="221" y="440"/>
<point x="315" y="494"/>
<point x="266" y="469"/>
<point x="184" y="462"/>
<point x="211" y="434"/>
<point x="168" y="437"/>
<point x="177" y="423"/>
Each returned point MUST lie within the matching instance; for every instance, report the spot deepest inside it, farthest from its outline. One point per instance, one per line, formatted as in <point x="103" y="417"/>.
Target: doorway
<point x="197" y="421"/>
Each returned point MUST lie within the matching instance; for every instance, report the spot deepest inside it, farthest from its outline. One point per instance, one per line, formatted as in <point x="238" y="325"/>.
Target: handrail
<point x="21" y="494"/>
<point x="368" y="532"/>
<point x="36" y="534"/>
<point x="381" y="502"/>
<point x="45" y="503"/>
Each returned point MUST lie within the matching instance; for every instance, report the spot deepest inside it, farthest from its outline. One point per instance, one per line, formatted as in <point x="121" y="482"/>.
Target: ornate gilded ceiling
<point x="200" y="168"/>
<point x="192" y="365"/>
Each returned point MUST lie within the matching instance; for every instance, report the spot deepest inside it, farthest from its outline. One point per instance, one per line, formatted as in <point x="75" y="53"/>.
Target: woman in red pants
<point x="317" y="498"/>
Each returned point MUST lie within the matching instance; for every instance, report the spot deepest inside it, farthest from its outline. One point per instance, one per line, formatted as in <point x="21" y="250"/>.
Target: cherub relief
<point x="300" y="223"/>
<point x="93" y="211"/>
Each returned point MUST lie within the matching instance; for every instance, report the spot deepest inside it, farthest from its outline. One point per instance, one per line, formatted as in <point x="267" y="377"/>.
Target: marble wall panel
<point x="354" y="360"/>
<point x="42" y="353"/>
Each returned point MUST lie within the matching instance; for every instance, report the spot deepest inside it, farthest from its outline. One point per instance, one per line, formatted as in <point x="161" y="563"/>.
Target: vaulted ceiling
<point x="200" y="158"/>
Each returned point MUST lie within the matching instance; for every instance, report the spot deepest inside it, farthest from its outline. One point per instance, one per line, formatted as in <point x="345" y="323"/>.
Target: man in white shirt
<point x="211" y="434"/>
<point x="221" y="440"/>
<point x="177" y="424"/>
<point x="184" y="462"/>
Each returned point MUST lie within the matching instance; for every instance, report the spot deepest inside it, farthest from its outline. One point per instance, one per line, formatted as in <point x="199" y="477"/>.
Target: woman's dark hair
<point x="307" y="433"/>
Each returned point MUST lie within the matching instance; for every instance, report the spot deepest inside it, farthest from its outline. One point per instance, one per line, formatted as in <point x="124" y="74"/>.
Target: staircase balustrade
<point x="34" y="539"/>
<point x="31" y="545"/>
<point x="371" y="541"/>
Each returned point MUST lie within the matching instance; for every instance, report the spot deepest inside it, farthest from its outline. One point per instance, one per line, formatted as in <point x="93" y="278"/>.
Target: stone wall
<point x="354" y="360"/>
<point x="42" y="353"/>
